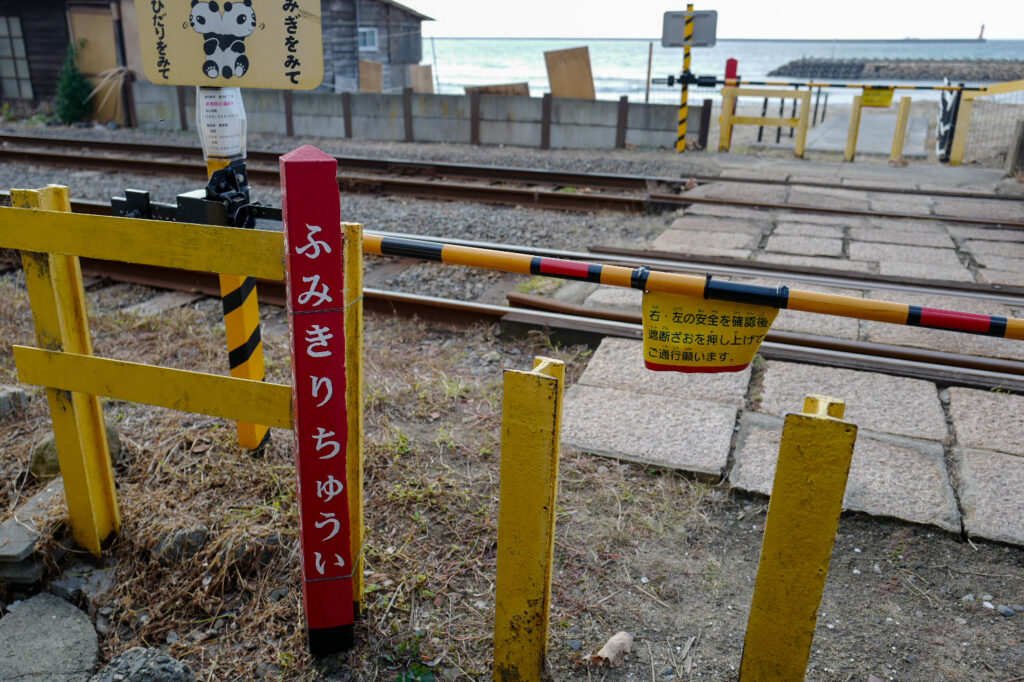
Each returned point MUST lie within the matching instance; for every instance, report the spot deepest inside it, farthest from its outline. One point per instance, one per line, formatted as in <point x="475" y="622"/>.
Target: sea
<point x="619" y="66"/>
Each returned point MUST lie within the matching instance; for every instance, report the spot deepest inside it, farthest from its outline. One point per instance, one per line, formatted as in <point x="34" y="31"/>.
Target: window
<point x="367" y="40"/>
<point x="14" y="78"/>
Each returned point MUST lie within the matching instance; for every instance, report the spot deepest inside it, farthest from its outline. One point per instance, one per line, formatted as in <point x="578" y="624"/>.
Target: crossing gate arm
<point x="178" y="389"/>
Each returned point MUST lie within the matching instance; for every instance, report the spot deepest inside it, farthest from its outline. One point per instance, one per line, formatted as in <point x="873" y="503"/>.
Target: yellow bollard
<point x="530" y="425"/>
<point x="963" y="124"/>
<point x="57" y="297"/>
<point x="803" y="515"/>
<point x="851" y="136"/>
<point x="899" y="138"/>
<point x="725" y="121"/>
<point x="354" y="400"/>
<point x="805" y="119"/>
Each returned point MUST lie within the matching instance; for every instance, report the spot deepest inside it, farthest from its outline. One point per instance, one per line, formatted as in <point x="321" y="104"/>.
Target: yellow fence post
<point x="805" y="119"/>
<point x="963" y="123"/>
<point x="803" y="515"/>
<point x="530" y="424"/>
<point x="900" y="136"/>
<point x="851" y="136"/>
<point x="725" y="122"/>
<point x="684" y="105"/>
<point x="354" y="398"/>
<point x="57" y="297"/>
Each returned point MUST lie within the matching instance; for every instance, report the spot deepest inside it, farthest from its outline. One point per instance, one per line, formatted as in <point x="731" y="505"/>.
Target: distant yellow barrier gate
<point x="728" y="120"/>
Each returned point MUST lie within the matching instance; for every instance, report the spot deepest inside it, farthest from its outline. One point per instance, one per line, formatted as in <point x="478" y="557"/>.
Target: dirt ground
<point x="669" y="559"/>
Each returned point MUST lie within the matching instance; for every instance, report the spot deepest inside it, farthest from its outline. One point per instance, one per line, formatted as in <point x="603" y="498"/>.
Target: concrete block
<point x="820" y="325"/>
<point x="585" y="112"/>
<point x="619" y="363"/>
<point x="875" y="402"/>
<point x="869" y="251"/>
<point x="378" y="128"/>
<point x="828" y="198"/>
<point x="376" y="105"/>
<point x="448" y="130"/>
<point x="798" y="229"/>
<point x="319" y="126"/>
<point x="653" y="117"/>
<point x="990" y="494"/>
<point x="1005" y="277"/>
<point x="729" y="244"/>
<point x="46" y="638"/>
<point x="937" y="239"/>
<point x="992" y="421"/>
<point x="728" y="212"/>
<point x="805" y="246"/>
<point x="1005" y="249"/>
<point x="968" y="232"/>
<point x="897" y="268"/>
<point x="988" y="260"/>
<point x="774" y="194"/>
<point x="690" y="435"/>
<point x="658" y="139"/>
<point x="582" y="137"/>
<point x="615" y="297"/>
<point x="712" y="224"/>
<point x="510" y="108"/>
<point x="784" y="216"/>
<point x="978" y="208"/>
<point x="520" y="134"/>
<point x="902" y="478"/>
<point x="907" y="224"/>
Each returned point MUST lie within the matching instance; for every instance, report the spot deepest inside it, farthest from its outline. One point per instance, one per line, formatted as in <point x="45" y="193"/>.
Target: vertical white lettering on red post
<point x="313" y="244"/>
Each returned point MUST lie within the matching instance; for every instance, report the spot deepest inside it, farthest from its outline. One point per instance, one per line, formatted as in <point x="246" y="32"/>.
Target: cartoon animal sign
<point x="250" y="43"/>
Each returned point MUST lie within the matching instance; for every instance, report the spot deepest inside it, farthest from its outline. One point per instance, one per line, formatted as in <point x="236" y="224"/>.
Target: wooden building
<point x="384" y="35"/>
<point x="373" y="32"/>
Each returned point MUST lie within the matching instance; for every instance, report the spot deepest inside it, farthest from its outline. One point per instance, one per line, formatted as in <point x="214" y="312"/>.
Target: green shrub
<point x="73" y="90"/>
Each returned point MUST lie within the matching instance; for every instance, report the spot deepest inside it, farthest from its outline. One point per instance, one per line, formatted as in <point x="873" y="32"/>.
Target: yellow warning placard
<point x="273" y="44"/>
<point x="876" y="97"/>
<point x="697" y="335"/>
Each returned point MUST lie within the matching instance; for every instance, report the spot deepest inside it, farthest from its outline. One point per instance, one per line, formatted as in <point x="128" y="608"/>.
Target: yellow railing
<point x="963" y="118"/>
<point x="729" y="119"/>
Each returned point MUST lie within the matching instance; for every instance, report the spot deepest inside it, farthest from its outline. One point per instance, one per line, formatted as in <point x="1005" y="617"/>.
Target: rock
<point x="140" y="664"/>
<point x="46" y="638"/>
<point x="967" y="598"/>
<point x="44" y="462"/>
<point x="180" y="544"/>
<point x="13" y="398"/>
<point x="278" y="594"/>
<point x="988" y="605"/>
<point x="20" y="534"/>
<point x="1005" y="610"/>
<point x="574" y="644"/>
<point x="85" y="583"/>
<point x="987" y="597"/>
<point x="1017" y="608"/>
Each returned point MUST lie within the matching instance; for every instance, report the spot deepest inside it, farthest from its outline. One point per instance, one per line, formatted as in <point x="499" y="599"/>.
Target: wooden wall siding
<point x="341" y="51"/>
<point x="45" y="30"/>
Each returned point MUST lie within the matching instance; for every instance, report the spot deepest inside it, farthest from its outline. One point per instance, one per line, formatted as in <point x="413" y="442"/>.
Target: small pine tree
<point x="73" y="90"/>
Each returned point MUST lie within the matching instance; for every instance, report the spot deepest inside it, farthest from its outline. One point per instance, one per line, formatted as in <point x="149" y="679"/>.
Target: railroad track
<point x="460" y="182"/>
<point x="577" y="324"/>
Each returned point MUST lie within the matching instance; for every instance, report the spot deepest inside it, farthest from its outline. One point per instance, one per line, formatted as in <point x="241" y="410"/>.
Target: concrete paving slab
<point x="874" y="136"/>
<point x="1006" y="249"/>
<point x="994" y="234"/>
<point x="937" y="239"/>
<point x="907" y="224"/>
<point x="870" y="251"/>
<point x="990" y="485"/>
<point x="805" y="246"/>
<point x="819" y="325"/>
<point x="784" y="216"/>
<point x="727" y="211"/>
<point x="616" y="298"/>
<point x="712" y="224"/>
<point x="163" y="302"/>
<point x="840" y="264"/>
<point x="990" y="421"/>
<point x="853" y="200"/>
<point x="690" y="435"/>
<point x="798" y="229"/>
<point x="903" y="478"/>
<point x="1005" y="277"/>
<point x="876" y="402"/>
<point x="918" y="203"/>
<point x="925" y="271"/>
<point x="619" y="363"/>
<point x="978" y="208"/>
<point x="727" y="244"/>
<point x="949" y="342"/>
<point x="744" y="191"/>
<point x="989" y="260"/>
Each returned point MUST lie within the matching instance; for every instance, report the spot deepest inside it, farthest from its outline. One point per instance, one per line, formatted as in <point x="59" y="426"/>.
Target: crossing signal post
<point x="687" y="29"/>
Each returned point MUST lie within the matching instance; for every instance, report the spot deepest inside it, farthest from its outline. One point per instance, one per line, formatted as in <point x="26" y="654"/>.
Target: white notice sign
<point x="220" y="118"/>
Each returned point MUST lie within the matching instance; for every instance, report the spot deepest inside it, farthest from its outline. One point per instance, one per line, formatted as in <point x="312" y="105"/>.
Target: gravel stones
<point x="12" y="398"/>
<point x="140" y="664"/>
<point x="46" y="638"/>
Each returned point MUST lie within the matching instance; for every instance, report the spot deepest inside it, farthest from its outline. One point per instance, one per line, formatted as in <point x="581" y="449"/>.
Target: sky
<point x="811" y="19"/>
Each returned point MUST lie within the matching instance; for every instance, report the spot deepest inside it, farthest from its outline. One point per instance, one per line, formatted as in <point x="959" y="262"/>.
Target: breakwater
<point x="904" y="69"/>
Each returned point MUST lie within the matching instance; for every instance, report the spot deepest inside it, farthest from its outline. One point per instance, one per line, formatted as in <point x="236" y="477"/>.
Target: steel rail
<point x="495" y="173"/>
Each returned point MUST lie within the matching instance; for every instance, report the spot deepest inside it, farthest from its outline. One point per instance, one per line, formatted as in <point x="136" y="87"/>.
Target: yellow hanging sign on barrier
<point x="244" y="44"/>
<point x="696" y="335"/>
<point x="877" y="97"/>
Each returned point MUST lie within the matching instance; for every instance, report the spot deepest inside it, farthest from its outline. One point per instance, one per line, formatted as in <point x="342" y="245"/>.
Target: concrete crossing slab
<point x="990" y="494"/>
<point x="902" y="478"/>
<point x="874" y="137"/>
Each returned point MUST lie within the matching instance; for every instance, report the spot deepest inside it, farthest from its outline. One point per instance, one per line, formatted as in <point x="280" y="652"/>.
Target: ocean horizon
<point x="619" y="65"/>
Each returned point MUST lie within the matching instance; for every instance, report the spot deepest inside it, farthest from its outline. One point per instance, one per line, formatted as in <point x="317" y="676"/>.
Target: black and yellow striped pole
<point x="238" y="293"/>
<point x="684" y="107"/>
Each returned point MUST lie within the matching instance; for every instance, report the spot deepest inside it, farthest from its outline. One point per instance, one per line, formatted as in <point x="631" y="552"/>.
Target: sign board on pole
<point x="877" y="96"/>
<point x="705" y="27"/>
<point x="246" y="44"/>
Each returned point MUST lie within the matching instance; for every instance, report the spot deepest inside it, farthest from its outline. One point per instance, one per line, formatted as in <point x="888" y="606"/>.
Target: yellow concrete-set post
<point x="530" y="426"/>
<point x="725" y="122"/>
<point x="684" y="106"/>
<point x="354" y="400"/>
<point x="57" y="297"/>
<point x="851" y="136"/>
<point x="963" y="123"/>
<point x="805" y="117"/>
<point x="803" y="515"/>
<point x="900" y="136"/>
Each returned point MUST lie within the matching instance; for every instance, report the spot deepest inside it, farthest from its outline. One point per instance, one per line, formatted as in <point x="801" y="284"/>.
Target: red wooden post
<point x="316" y="317"/>
<point x="731" y="71"/>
